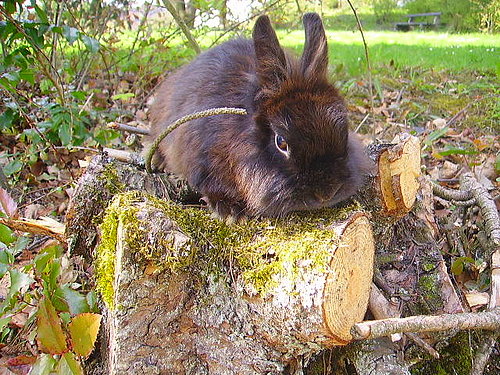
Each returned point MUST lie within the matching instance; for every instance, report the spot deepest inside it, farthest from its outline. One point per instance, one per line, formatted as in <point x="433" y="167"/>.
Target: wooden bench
<point x="407" y="26"/>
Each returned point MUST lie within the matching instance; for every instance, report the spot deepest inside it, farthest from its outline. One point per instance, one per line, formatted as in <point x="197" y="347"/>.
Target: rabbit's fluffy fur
<point x="293" y="151"/>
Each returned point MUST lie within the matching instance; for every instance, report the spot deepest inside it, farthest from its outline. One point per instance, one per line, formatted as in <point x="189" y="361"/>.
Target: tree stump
<point x="185" y="293"/>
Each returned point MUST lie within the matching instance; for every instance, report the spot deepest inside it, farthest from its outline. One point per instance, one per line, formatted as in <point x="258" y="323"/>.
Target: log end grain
<point x="347" y="286"/>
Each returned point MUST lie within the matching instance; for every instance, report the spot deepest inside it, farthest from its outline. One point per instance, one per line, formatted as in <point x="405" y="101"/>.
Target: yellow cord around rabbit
<point x="182" y="120"/>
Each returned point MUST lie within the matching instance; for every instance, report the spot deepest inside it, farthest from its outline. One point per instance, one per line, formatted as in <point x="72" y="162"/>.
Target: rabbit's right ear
<point x="271" y="61"/>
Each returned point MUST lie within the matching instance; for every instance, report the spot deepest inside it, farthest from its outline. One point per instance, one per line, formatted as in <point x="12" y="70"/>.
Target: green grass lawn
<point x="456" y="52"/>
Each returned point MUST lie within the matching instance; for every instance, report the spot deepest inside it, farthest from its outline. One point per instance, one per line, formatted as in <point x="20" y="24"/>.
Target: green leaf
<point x="6" y="257"/>
<point x="458" y="265"/>
<point x="70" y="33"/>
<point x="27" y="75"/>
<point x="91" y="43"/>
<point x="50" y="335"/>
<point x="19" y="281"/>
<point x="41" y="261"/>
<point x="12" y="76"/>
<point x="4" y="322"/>
<point x="7" y="119"/>
<point x="83" y="330"/>
<point x="6" y="235"/>
<point x="68" y="365"/>
<point x="457" y="151"/>
<point x="44" y="365"/>
<point x="80" y="95"/>
<point x="41" y="14"/>
<point x="123" y="96"/>
<point x="75" y="301"/>
<point x="65" y="133"/>
<point x="12" y="167"/>
<point x="10" y="6"/>
<point x="435" y="135"/>
<point x="91" y="298"/>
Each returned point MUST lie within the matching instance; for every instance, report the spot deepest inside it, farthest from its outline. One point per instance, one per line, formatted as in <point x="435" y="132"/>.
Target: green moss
<point x="111" y="180"/>
<point x="119" y="210"/>
<point x="428" y="287"/>
<point x="455" y="358"/>
<point x="264" y="249"/>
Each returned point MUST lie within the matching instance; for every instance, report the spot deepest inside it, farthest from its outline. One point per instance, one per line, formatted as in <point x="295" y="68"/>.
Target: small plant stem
<point x="171" y="8"/>
<point x="368" y="65"/>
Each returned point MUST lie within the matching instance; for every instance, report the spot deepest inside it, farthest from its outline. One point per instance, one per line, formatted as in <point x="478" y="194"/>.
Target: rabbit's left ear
<point x="314" y="61"/>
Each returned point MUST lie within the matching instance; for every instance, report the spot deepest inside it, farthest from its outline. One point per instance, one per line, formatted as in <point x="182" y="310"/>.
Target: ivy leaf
<point x="91" y="43"/>
<point x="6" y="235"/>
<point x="44" y="365"/>
<point x="68" y="365"/>
<point x="50" y="335"/>
<point x="83" y="330"/>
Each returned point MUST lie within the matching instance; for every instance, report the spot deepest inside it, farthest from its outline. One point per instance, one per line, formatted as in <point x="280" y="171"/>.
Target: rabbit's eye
<point x="281" y="144"/>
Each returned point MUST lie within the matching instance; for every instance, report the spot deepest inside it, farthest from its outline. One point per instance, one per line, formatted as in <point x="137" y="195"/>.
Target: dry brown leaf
<point x="44" y="226"/>
<point x="476" y="299"/>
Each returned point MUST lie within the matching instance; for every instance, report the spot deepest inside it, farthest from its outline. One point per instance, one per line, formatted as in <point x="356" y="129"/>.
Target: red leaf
<point x="7" y="204"/>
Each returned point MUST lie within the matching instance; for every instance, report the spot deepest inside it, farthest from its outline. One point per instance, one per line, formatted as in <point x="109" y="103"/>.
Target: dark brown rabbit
<point x="293" y="151"/>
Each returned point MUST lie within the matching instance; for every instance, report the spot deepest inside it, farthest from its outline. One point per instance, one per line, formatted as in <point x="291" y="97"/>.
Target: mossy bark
<point x="190" y="298"/>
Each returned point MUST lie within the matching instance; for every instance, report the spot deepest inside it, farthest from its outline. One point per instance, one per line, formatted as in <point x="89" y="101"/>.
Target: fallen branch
<point x="488" y="320"/>
<point x="449" y="194"/>
<point x="486" y="205"/>
<point x="127" y="128"/>
<point x="125" y="156"/>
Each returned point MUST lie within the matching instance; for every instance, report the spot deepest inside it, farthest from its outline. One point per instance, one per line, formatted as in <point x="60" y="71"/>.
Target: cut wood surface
<point x="398" y="170"/>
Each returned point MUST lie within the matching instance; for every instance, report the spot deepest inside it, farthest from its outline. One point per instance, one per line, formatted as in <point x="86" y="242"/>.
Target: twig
<point x="483" y="353"/>
<point x="368" y="65"/>
<point x="125" y="156"/>
<point x="449" y="194"/>
<point x="361" y="123"/>
<point x="171" y="8"/>
<point x="423" y="344"/>
<point x="467" y="203"/>
<point x="489" y="320"/>
<point x="182" y="120"/>
<point x="127" y="128"/>
<point x="486" y="205"/>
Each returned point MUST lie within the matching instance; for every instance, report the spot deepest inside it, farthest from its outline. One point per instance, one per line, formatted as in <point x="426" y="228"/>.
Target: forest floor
<point x="447" y="95"/>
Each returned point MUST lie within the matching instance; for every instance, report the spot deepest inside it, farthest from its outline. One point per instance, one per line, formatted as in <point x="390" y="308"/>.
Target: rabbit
<point x="292" y="151"/>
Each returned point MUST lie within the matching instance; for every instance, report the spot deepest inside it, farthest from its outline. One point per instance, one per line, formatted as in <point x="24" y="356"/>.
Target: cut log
<point x="395" y="184"/>
<point x="185" y="299"/>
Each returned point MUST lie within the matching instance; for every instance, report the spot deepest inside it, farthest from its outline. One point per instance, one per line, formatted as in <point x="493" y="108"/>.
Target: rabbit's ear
<point x="271" y="61"/>
<point x="314" y="61"/>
